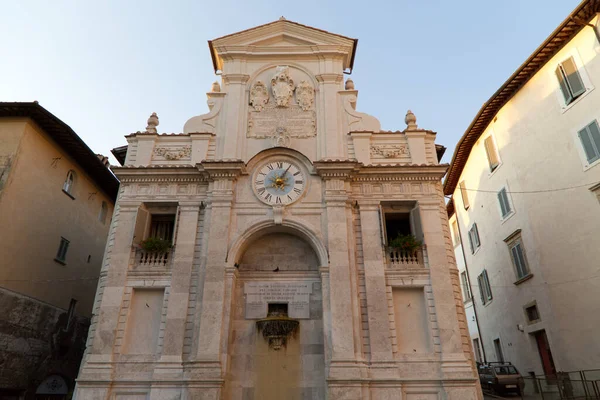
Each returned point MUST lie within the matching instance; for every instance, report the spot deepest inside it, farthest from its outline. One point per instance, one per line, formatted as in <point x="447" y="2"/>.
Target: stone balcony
<point x="148" y="260"/>
<point x="398" y="259"/>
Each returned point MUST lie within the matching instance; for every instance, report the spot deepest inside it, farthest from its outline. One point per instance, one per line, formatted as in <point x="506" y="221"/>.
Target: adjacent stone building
<point x="56" y="202"/>
<point x="279" y="204"/>
<point x="525" y="186"/>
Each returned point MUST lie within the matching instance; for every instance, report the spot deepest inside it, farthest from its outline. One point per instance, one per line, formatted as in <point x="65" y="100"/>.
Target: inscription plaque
<point x="297" y="122"/>
<point x="295" y="294"/>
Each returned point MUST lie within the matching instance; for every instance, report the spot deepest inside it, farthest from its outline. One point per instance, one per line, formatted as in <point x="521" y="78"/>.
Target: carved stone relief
<point x="259" y="96"/>
<point x="305" y="95"/>
<point x="282" y="86"/>
<point x="389" y="151"/>
<point x="282" y="118"/>
<point x="173" y="153"/>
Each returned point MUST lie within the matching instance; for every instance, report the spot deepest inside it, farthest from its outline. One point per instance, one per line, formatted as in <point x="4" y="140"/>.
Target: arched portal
<point x="278" y="274"/>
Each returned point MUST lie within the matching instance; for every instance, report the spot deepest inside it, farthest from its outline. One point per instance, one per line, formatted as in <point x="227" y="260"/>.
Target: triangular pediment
<point x="281" y="36"/>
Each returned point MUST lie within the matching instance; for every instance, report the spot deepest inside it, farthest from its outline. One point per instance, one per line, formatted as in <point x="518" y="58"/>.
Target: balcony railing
<point x="405" y="259"/>
<point x="152" y="259"/>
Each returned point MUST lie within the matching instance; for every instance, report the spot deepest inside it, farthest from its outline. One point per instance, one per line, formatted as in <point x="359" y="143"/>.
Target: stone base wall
<point x="36" y="341"/>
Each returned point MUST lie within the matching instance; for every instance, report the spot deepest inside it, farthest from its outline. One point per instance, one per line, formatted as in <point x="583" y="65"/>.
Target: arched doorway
<point x="278" y="272"/>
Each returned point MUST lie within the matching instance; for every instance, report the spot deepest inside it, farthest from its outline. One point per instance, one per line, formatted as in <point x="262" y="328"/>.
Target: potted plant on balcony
<point x="406" y="243"/>
<point x="156" y="245"/>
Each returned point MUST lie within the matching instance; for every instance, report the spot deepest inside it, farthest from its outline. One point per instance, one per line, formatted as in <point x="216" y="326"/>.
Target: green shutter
<point x="504" y="204"/>
<point x="573" y="78"/>
<point x="564" y="88"/>
<point x="590" y="140"/>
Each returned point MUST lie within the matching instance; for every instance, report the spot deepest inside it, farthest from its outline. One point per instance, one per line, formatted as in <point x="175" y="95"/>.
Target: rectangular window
<point x="517" y="254"/>
<point x="400" y="219"/>
<point x="498" y="348"/>
<point x="491" y="152"/>
<point x="455" y="233"/>
<point x="465" y="284"/>
<point x="485" y="289"/>
<point x="61" y="254"/>
<point x="590" y="141"/>
<point x="571" y="84"/>
<point x="505" y="208"/>
<point x="474" y="238"/>
<point x="477" y="350"/>
<point x="532" y="313"/>
<point x="464" y="194"/>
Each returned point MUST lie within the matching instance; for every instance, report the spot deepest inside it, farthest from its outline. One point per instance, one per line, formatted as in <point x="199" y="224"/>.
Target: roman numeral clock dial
<point x="278" y="183"/>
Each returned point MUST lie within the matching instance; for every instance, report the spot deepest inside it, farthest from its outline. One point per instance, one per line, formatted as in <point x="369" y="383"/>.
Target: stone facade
<point x="281" y="200"/>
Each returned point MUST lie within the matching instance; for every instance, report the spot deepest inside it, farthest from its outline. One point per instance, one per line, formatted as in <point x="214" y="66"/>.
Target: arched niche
<point x="289" y="232"/>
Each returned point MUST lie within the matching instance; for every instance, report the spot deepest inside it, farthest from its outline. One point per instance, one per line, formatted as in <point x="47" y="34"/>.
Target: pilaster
<point x="235" y="86"/>
<point x="362" y="144"/>
<point x="375" y="284"/>
<point x="170" y="364"/>
<point x="416" y="144"/>
<point x="341" y="302"/>
<point x="332" y="145"/>
<point x="222" y="175"/>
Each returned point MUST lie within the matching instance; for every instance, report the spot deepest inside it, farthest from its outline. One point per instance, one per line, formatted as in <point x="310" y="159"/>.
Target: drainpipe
<point x="581" y="22"/>
<point x="470" y="288"/>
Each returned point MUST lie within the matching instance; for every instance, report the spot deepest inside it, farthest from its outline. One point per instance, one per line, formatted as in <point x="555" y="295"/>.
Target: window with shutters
<point x="400" y="218"/>
<point x="485" y="290"/>
<point x="570" y="80"/>
<point x="69" y="184"/>
<point x="518" y="257"/>
<point x="491" y="151"/>
<point x="532" y="313"/>
<point x="465" y="286"/>
<point x="61" y="254"/>
<point x="464" y="194"/>
<point x="506" y="209"/>
<point x="589" y="137"/>
<point x="474" y="241"/>
<point x="155" y="221"/>
<point x="103" y="212"/>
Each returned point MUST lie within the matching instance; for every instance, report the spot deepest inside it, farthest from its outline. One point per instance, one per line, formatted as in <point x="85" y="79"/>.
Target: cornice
<point x="222" y="169"/>
<point x="158" y="173"/>
<point x="336" y="169"/>
<point x="329" y="78"/>
<point x="235" y="78"/>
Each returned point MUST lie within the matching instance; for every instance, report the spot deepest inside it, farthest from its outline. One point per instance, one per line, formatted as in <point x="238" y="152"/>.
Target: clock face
<point x="279" y="183"/>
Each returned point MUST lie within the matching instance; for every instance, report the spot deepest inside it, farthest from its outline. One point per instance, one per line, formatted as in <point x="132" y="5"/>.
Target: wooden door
<point x="545" y="353"/>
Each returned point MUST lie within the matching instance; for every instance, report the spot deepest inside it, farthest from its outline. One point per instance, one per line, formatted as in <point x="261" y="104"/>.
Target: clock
<point x="278" y="182"/>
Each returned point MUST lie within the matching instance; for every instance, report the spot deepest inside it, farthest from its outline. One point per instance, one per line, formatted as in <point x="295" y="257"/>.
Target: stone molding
<point x="222" y="169"/>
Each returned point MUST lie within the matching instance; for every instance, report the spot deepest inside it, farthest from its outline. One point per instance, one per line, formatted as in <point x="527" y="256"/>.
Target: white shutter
<point x="141" y="225"/>
<point x="175" y="226"/>
<point x="415" y="224"/>
<point x="382" y="230"/>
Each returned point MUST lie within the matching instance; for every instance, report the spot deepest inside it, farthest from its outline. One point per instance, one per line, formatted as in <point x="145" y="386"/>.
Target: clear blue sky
<point x="104" y="66"/>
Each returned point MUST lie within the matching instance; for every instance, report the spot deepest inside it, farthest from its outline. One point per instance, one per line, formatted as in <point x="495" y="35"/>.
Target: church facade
<point x="282" y="246"/>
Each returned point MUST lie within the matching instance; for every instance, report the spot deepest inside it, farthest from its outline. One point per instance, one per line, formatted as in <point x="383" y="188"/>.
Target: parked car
<point x="500" y="377"/>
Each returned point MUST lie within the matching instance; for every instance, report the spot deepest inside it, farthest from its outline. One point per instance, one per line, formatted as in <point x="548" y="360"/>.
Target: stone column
<point x="207" y="363"/>
<point x="170" y="364"/>
<point x="378" y="319"/>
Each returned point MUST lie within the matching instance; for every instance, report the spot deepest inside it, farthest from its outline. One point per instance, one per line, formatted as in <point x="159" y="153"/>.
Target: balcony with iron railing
<point x="402" y="259"/>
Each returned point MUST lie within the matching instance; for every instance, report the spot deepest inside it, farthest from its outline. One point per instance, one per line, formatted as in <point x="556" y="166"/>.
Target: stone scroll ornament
<point x="305" y="95"/>
<point x="282" y="86"/>
<point x="173" y="153"/>
<point x="389" y="151"/>
<point x="259" y="96"/>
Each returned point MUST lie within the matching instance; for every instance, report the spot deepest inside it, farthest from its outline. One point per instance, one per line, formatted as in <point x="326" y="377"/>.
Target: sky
<point x="104" y="66"/>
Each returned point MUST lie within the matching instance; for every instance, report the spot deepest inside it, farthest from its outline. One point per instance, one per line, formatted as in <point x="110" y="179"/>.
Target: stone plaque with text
<point x="295" y="294"/>
<point x="296" y="122"/>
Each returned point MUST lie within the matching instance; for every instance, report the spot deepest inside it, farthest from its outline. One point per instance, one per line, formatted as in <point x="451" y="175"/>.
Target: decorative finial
<point x="411" y="120"/>
<point x="282" y="18"/>
<point x="215" y="88"/>
<point x="152" y="123"/>
<point x="349" y="84"/>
